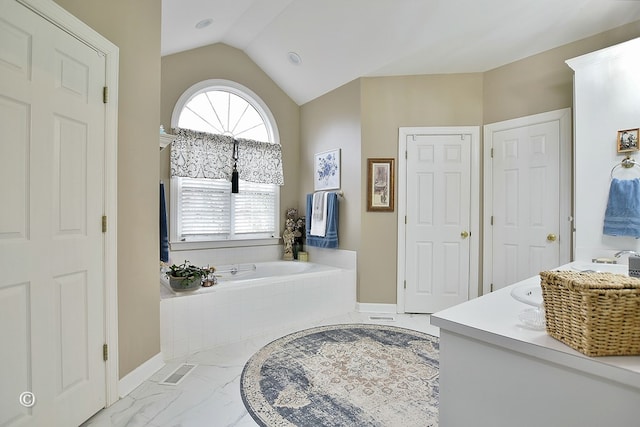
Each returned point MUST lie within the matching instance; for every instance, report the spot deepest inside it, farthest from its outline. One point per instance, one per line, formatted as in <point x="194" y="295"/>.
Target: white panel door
<point x="51" y="242"/>
<point x="438" y="222"/>
<point x="526" y="209"/>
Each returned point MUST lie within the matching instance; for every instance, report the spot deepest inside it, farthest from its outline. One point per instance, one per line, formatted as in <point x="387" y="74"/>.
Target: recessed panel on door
<point x="537" y="188"/>
<point x="71" y="330"/>
<point x="536" y="259"/>
<point x="70" y="176"/>
<point x="72" y="76"/>
<point x="425" y="270"/>
<point x="425" y="204"/>
<point x="538" y="146"/>
<point x="510" y="150"/>
<point x="15" y="351"/>
<point x="15" y="119"/>
<point x="510" y="264"/>
<point x="511" y="211"/>
<point x="453" y="154"/>
<point x="452" y="268"/>
<point x="15" y="54"/>
<point x="452" y="197"/>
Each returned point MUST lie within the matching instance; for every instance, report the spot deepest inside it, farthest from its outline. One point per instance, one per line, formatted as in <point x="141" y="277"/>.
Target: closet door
<point x="527" y="197"/>
<point x="438" y="221"/>
<point x="51" y="241"/>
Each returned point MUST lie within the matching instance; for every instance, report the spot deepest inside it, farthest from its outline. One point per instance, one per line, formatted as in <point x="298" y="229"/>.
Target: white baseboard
<point x="376" y="308"/>
<point x="139" y="375"/>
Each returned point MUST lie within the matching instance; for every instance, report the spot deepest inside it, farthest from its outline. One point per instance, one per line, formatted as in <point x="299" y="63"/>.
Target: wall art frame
<point x="380" y="185"/>
<point x="326" y="170"/>
<point x="627" y="140"/>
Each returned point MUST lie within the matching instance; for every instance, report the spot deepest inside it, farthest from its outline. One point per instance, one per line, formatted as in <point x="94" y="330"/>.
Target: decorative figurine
<point x="288" y="238"/>
<point x="293" y="236"/>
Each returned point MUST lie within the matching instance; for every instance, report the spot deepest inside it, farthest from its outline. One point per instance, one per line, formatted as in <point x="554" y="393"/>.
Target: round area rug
<point x="344" y="375"/>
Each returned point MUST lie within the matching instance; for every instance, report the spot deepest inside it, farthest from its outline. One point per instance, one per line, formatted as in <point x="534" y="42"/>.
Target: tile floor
<point x="210" y="394"/>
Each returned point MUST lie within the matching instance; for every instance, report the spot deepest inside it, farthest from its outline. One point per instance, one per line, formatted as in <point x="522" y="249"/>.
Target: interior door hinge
<point x="406" y="154"/>
<point x="491" y="219"/>
<point x="492" y="153"/>
<point x="405" y="220"/>
<point x="491" y="287"/>
<point x="405" y="284"/>
<point x="105" y="94"/>
<point x="104" y="223"/>
<point x="105" y="352"/>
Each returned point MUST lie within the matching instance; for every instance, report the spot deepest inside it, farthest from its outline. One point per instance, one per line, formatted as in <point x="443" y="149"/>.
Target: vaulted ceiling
<point x="310" y="47"/>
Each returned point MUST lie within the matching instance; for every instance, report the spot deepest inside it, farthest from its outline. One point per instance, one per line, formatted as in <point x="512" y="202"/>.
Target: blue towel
<point x="330" y="239"/>
<point x="164" y="235"/>
<point x="622" y="217"/>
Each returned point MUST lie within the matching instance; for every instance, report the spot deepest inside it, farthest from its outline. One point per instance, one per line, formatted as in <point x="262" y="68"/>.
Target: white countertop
<point x="494" y="318"/>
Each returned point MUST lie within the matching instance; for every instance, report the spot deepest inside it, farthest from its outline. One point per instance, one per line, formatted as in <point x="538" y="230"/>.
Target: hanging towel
<point x="319" y="214"/>
<point x="622" y="217"/>
<point x="164" y="235"/>
<point x="330" y="240"/>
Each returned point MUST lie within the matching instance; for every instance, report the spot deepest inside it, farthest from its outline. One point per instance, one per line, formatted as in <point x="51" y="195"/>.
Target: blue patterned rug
<point x="344" y="375"/>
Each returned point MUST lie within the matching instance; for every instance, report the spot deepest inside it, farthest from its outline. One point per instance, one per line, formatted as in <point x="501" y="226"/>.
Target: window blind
<point x="254" y="208"/>
<point x="208" y="210"/>
<point x="205" y="207"/>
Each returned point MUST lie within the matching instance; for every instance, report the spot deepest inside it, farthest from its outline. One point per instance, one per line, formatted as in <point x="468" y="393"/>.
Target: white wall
<point x="606" y="88"/>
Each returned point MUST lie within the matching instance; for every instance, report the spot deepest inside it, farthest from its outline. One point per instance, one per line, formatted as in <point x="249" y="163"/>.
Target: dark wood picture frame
<point x="380" y="185"/>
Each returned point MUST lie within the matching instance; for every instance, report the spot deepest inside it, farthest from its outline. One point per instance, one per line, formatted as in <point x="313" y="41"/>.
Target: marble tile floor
<point x="209" y="395"/>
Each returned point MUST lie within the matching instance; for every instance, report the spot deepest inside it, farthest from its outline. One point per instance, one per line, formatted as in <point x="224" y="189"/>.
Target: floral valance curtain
<point x="205" y="155"/>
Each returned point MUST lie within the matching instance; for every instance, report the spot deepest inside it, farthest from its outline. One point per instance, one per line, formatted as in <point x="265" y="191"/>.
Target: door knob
<point x="551" y="237"/>
<point x="464" y="234"/>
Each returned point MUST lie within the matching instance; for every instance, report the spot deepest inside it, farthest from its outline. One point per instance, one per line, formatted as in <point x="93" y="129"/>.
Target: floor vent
<point x="178" y="375"/>
<point x="384" y="318"/>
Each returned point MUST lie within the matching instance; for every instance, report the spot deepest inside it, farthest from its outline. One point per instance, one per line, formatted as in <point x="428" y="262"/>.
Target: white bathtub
<point x="275" y="296"/>
<point x="253" y="274"/>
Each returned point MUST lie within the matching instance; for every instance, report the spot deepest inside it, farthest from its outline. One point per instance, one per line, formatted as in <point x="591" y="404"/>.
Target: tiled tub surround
<point x="234" y="310"/>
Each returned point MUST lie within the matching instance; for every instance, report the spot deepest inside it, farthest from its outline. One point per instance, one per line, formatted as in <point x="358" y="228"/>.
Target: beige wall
<point x="333" y="121"/>
<point x="134" y="26"/>
<point x="542" y="82"/>
<point x="387" y="104"/>
<point x="219" y="61"/>
<point x="535" y="84"/>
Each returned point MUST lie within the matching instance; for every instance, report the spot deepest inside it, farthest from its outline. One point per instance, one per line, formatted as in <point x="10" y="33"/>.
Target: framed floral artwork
<point x="326" y="170"/>
<point x="380" y="185"/>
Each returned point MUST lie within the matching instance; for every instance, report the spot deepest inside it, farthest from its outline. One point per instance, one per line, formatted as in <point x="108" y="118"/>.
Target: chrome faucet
<point x="625" y="252"/>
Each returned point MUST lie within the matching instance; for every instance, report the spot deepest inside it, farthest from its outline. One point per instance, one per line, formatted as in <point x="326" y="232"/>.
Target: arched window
<point x="206" y="209"/>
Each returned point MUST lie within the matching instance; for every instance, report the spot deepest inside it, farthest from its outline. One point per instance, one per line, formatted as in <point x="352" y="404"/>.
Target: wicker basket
<point x="597" y="314"/>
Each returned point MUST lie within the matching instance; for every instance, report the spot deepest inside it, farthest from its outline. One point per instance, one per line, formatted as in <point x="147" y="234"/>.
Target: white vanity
<point x="495" y="370"/>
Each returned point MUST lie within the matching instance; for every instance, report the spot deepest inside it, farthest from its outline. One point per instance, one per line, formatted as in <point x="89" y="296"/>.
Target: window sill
<point x="184" y="246"/>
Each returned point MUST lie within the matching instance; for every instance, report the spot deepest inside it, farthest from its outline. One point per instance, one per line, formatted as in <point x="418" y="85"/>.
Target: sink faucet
<point x="634" y="262"/>
<point x="626" y="252"/>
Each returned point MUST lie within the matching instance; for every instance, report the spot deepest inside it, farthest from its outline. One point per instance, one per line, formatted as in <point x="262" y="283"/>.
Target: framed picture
<point x="326" y="170"/>
<point x="380" y="185"/>
<point x="627" y="140"/>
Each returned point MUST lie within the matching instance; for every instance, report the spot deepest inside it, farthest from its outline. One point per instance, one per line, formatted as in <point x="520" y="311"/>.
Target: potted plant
<point x="186" y="276"/>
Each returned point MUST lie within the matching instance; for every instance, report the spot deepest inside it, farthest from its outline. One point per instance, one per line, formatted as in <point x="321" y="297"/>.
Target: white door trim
<point x="563" y="116"/>
<point x="55" y="14"/>
<point x="474" y="249"/>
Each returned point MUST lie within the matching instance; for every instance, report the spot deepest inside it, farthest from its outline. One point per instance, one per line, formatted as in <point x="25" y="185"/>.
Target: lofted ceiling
<point x="338" y="41"/>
